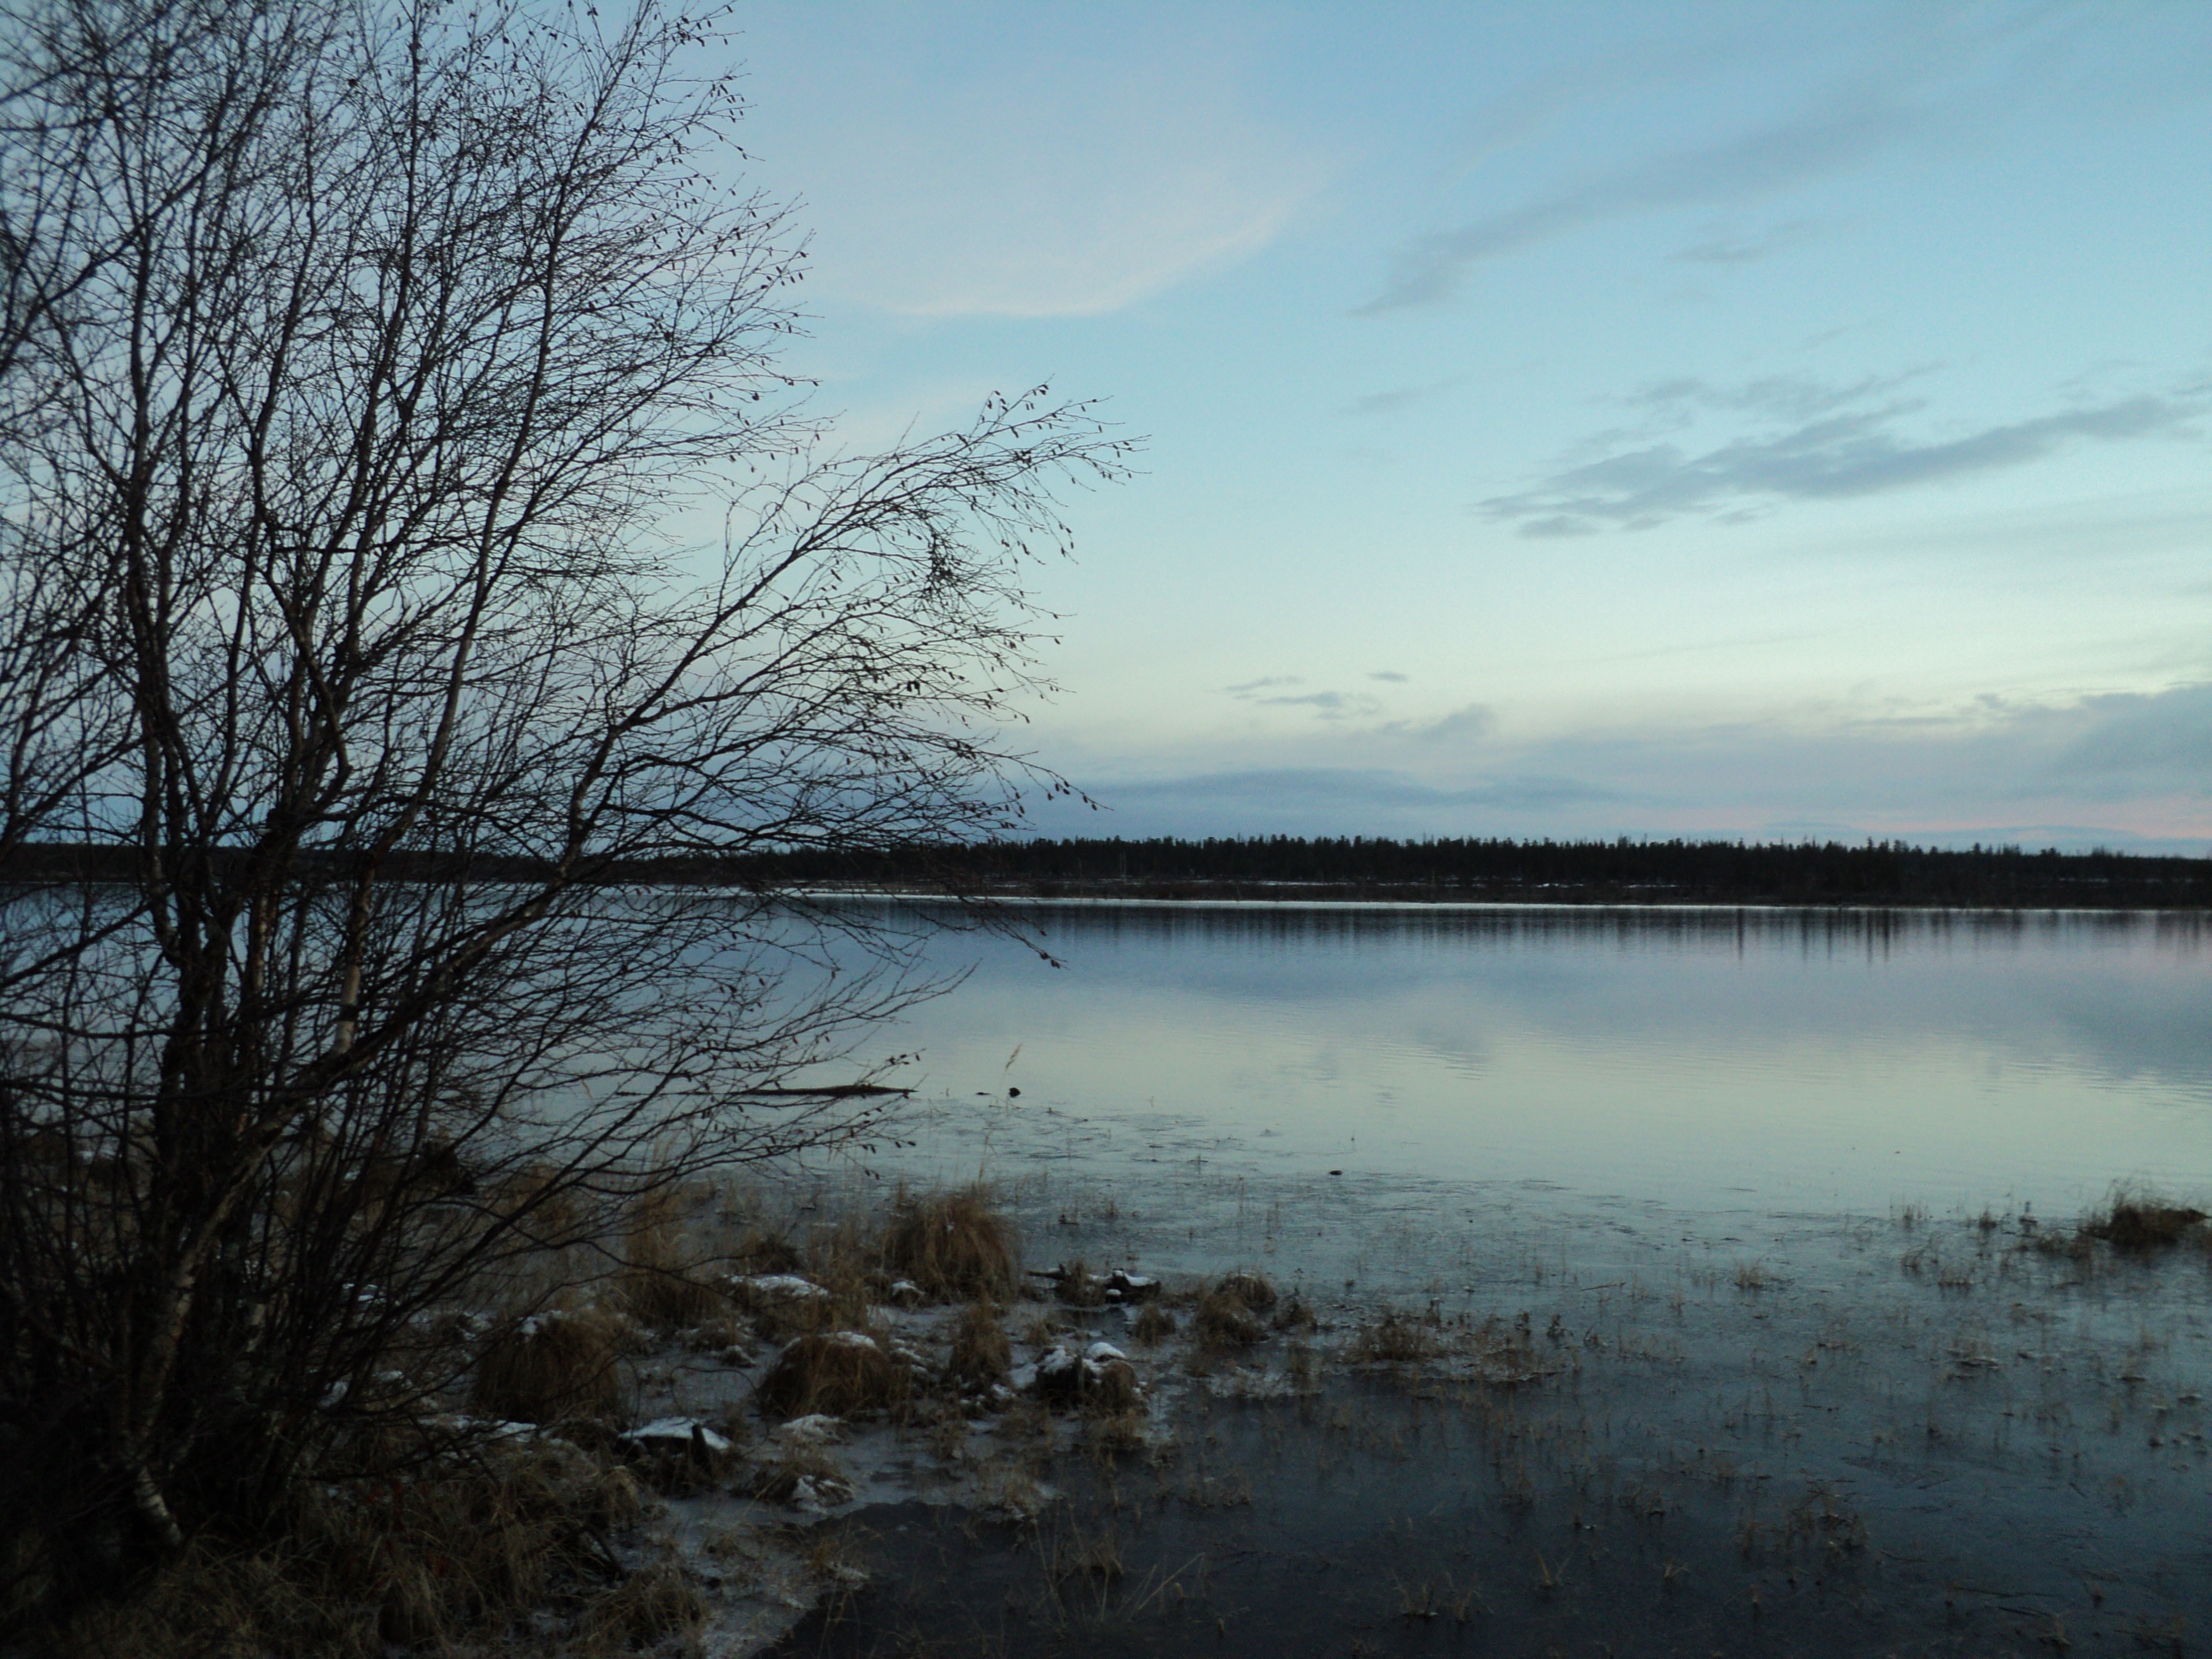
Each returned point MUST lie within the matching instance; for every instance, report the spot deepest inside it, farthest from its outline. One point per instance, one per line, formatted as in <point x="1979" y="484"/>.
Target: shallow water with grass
<point x="1748" y="1281"/>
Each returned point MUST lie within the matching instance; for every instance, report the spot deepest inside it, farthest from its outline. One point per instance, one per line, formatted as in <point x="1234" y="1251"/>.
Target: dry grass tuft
<point x="1251" y="1289"/>
<point x="1115" y="1434"/>
<point x="1112" y="1390"/>
<point x="955" y="1246"/>
<point x="1079" y="1287"/>
<point x="1396" y="1339"/>
<point x="665" y="1300"/>
<point x="453" y="1560"/>
<point x="656" y="1602"/>
<point x="765" y="1253"/>
<point x="839" y="1373"/>
<point x="544" y="1208"/>
<point x="1153" y="1325"/>
<point x="1045" y="1330"/>
<point x="1295" y="1315"/>
<point x="1228" y="1314"/>
<point x="1225" y="1320"/>
<point x="549" y="1368"/>
<point x="655" y="1285"/>
<point x="2140" y="1222"/>
<point x="801" y="1474"/>
<point x="2076" y="1246"/>
<point x="982" y="1354"/>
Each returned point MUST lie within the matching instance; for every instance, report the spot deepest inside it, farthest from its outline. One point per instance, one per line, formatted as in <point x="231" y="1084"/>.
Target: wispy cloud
<point x="1391" y="675"/>
<point x="1924" y="76"/>
<point x="1761" y="162"/>
<point x="2133" y="767"/>
<point x="1723" y="248"/>
<point x="1474" y="721"/>
<point x="1059" y="166"/>
<point x="1782" y="396"/>
<point x="1404" y="397"/>
<point x="1329" y="705"/>
<point x="1839" y="452"/>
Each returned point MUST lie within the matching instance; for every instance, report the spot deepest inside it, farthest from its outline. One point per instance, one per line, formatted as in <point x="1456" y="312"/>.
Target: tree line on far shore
<point x="1445" y="868"/>
<point x="1468" y="868"/>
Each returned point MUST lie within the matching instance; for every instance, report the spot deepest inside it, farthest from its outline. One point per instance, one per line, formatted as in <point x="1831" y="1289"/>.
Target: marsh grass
<point x="838" y="1373"/>
<point x="2138" y="1223"/>
<point x="779" y="1479"/>
<point x="956" y="1246"/>
<point x="1253" y="1290"/>
<point x="1228" y="1316"/>
<point x="1078" y="1286"/>
<point x="479" y="1544"/>
<point x="1396" y="1339"/>
<point x="1153" y="1325"/>
<point x="471" y="1552"/>
<point x="980" y="1353"/>
<point x="1108" y="1435"/>
<point x="1223" y="1322"/>
<point x="656" y="1282"/>
<point x="551" y="1367"/>
<point x="758" y="1251"/>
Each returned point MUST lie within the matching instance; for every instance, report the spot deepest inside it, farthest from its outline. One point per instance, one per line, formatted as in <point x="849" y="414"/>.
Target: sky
<point x="1767" y="421"/>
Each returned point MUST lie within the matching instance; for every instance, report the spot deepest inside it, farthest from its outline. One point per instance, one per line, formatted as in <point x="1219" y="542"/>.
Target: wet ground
<point x="1626" y="1432"/>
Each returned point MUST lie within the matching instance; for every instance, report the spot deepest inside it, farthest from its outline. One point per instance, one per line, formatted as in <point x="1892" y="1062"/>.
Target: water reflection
<point x="1844" y="1058"/>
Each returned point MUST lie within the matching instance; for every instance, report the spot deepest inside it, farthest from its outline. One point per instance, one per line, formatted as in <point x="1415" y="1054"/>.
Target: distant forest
<point x="1360" y="868"/>
<point x="1591" y="872"/>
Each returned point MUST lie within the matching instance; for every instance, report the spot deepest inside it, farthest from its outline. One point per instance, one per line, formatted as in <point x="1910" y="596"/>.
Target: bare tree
<point x="359" y="369"/>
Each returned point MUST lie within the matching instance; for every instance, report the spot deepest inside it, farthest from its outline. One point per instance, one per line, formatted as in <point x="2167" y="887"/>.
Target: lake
<point x="1823" y="1060"/>
<point x="1757" y="1318"/>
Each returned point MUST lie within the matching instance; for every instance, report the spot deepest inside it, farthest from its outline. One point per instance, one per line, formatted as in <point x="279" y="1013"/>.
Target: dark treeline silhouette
<point x="1621" y="872"/>
<point x="1614" y="871"/>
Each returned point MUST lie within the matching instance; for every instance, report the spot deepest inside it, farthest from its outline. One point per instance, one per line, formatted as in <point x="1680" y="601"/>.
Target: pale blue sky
<point x="1564" y="419"/>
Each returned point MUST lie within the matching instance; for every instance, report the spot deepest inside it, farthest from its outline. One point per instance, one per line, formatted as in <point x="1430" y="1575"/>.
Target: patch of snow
<point x="460" y="1423"/>
<point x="789" y="1286"/>
<point x="817" y="1429"/>
<point x="684" y="1430"/>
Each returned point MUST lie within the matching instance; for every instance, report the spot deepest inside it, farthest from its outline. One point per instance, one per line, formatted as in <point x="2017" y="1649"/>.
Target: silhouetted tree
<point x="360" y="368"/>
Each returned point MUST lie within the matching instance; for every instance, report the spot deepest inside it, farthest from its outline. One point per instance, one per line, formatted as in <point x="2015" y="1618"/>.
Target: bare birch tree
<point x="359" y="368"/>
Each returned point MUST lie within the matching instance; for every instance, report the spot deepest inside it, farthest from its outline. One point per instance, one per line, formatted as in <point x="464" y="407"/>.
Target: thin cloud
<point x="1330" y="705"/>
<point x="2167" y="734"/>
<point x="1936" y="73"/>
<point x="1838" y="455"/>
<point x="1782" y="396"/>
<point x="1404" y="397"/>
<point x="1462" y="726"/>
<point x="1391" y="675"/>
<point x="2131" y="768"/>
<point x="1250" y="686"/>
<point x="1759" y="163"/>
<point x="1720" y="249"/>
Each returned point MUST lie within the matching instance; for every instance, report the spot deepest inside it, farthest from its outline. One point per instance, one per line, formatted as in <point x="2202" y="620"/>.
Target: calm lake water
<point x="1818" y="1060"/>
